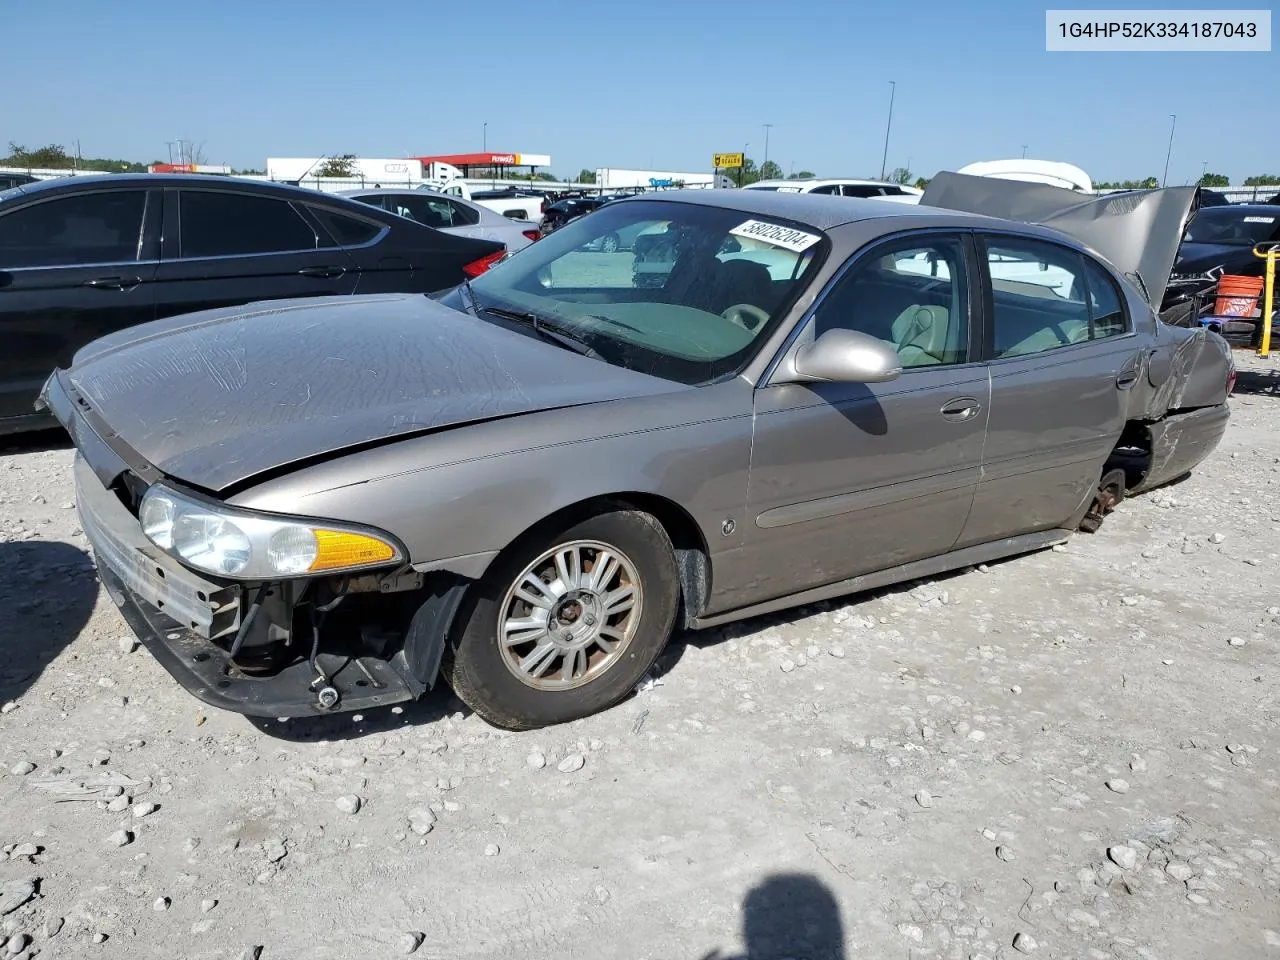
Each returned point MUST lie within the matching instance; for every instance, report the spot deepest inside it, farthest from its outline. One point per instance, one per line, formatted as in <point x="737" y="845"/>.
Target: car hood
<point x="216" y="398"/>
<point x="1138" y="231"/>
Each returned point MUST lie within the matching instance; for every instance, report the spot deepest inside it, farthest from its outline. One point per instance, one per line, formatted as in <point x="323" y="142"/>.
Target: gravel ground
<point x="1070" y="754"/>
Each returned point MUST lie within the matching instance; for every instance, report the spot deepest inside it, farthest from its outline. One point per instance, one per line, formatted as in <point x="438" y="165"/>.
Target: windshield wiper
<point x="617" y="323"/>
<point x="554" y="334"/>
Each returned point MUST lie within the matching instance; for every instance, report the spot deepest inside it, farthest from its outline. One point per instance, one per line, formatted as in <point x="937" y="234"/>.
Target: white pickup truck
<point x="517" y="203"/>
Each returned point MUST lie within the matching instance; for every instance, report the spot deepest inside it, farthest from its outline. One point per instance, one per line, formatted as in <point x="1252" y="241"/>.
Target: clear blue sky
<point x="655" y="85"/>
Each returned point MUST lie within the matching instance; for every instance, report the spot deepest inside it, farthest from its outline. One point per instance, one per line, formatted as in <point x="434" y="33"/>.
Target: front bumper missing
<point x="177" y="615"/>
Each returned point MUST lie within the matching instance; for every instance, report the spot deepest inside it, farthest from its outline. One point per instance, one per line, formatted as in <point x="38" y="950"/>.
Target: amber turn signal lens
<point x="339" y="549"/>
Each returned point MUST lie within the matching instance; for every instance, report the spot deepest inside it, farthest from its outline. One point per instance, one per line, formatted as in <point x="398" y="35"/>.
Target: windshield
<point x="676" y="290"/>
<point x="1231" y="227"/>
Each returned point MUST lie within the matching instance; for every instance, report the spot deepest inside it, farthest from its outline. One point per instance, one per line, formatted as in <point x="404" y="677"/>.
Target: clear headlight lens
<point x="230" y="543"/>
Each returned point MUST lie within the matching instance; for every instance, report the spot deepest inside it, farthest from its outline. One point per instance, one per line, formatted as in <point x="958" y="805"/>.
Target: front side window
<point x="688" y="292"/>
<point x="1042" y="301"/>
<point x="911" y="293"/>
<point x="100" y="227"/>
<point x="215" y="223"/>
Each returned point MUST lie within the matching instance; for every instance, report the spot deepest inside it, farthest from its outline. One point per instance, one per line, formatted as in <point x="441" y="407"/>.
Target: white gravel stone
<point x="1198" y="899"/>
<point x="1005" y="854"/>
<point x="121" y="838"/>
<point x="491" y="850"/>
<point x="1236" y="641"/>
<point x="572" y="763"/>
<point x="1025" y="943"/>
<point x="22" y="769"/>
<point x="1138" y="764"/>
<point x="348" y="804"/>
<point x="274" y="850"/>
<point x="977" y="736"/>
<point x="786" y="666"/>
<point x="422" y="821"/>
<point x="207" y="905"/>
<point x="536" y="760"/>
<point x="119" y="805"/>
<point x="1116" y="785"/>
<point x="912" y="932"/>
<point x="127" y="644"/>
<point x="9" y="707"/>
<point x="17" y="943"/>
<point x="161" y="904"/>
<point x="1124" y="857"/>
<point x="1217" y="538"/>
<point x="837" y="651"/>
<point x="924" y="798"/>
<point x="1180" y="871"/>
<point x="144" y="809"/>
<point x="53" y="927"/>
<point x="99" y="937"/>
<point x="410" y="942"/>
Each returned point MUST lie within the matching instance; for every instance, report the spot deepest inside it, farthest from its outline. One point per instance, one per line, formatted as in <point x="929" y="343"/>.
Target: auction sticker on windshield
<point x="779" y="236"/>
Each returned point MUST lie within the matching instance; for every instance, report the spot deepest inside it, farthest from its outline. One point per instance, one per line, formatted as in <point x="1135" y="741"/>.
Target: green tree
<point x="1213" y="180"/>
<point x="921" y="183"/>
<point x="770" y="171"/>
<point x="343" y="166"/>
<point x="900" y="175"/>
<point x="51" y="157"/>
<point x="1150" y="183"/>
<point x="1263" y="180"/>
<point x="802" y="175"/>
<point x="586" y="176"/>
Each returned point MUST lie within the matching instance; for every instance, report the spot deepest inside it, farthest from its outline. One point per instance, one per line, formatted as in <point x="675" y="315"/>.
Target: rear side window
<point x="1038" y="296"/>
<point x="221" y="224"/>
<point x="1105" y="304"/>
<point x="102" y="227"/>
<point x="464" y="216"/>
<point x="348" y="231"/>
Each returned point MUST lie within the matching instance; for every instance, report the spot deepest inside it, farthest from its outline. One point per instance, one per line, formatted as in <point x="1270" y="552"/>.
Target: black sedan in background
<point x="83" y="256"/>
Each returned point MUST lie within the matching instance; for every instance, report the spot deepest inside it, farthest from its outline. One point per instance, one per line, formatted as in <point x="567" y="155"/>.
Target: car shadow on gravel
<point x="35" y="441"/>
<point x="47" y="592"/>
<point x="433" y="706"/>
<point x="1265" y="383"/>
<point x="789" y="915"/>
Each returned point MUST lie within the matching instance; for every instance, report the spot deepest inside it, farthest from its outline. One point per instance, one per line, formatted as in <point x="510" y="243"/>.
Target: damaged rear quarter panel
<point x="461" y="495"/>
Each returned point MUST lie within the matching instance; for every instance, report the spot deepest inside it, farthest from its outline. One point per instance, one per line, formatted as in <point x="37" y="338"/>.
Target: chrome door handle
<point x="113" y="283"/>
<point x="960" y="409"/>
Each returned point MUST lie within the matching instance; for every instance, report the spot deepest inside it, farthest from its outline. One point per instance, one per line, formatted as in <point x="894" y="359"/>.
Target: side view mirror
<point x="846" y="356"/>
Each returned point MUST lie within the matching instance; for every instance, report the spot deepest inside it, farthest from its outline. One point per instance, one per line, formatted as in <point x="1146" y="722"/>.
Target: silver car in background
<point x="450" y="214"/>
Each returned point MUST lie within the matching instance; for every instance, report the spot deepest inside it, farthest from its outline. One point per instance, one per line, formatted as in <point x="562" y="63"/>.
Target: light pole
<point x="484" y="135"/>
<point x="1204" y="168"/>
<point x="766" y="147"/>
<point x="893" y="88"/>
<point x="1172" y="126"/>
<point x="1024" y="151"/>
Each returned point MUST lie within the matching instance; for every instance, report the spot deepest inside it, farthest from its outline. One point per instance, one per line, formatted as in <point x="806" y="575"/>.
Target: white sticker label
<point x="779" y="236"/>
<point x="1259" y="219"/>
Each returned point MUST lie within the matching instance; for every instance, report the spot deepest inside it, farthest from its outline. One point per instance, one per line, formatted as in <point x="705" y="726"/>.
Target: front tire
<point x="566" y="623"/>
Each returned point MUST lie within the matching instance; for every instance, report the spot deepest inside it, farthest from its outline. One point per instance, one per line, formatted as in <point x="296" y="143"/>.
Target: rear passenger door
<point x="224" y="247"/>
<point x="1063" y="356"/>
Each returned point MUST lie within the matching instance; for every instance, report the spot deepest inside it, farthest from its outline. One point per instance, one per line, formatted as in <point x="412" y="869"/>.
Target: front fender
<point x="457" y="498"/>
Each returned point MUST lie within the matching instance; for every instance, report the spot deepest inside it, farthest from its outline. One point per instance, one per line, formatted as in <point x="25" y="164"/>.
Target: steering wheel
<point x="746" y="315"/>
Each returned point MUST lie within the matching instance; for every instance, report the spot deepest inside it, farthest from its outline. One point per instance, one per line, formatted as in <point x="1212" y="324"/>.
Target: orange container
<point x="1237" y="296"/>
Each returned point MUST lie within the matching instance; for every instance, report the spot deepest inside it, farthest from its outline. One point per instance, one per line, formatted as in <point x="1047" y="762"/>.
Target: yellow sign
<point x="723" y="160"/>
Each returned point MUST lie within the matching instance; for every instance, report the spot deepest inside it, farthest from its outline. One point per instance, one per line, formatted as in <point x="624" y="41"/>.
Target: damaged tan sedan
<point x="527" y="484"/>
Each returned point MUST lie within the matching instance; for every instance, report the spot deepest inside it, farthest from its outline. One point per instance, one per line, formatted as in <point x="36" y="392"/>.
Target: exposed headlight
<point x="246" y="546"/>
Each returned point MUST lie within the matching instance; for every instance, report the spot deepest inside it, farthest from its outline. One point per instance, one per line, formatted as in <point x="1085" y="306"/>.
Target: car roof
<point x="822" y="181"/>
<point x="58" y="184"/>
<point x="823" y="211"/>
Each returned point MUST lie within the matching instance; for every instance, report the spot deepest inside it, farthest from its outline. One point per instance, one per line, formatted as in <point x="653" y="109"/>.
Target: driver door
<point x="849" y="478"/>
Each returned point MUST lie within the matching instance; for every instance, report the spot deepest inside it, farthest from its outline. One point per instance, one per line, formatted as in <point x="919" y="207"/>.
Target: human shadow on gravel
<point x="789" y="915"/>
<point x="47" y="592"/>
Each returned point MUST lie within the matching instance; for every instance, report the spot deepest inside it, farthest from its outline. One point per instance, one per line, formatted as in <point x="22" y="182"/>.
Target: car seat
<point x="921" y="334"/>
